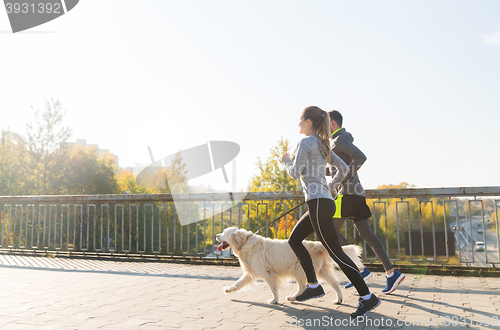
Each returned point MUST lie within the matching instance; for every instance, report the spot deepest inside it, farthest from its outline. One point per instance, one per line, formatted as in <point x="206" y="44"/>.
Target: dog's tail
<point x="353" y="252"/>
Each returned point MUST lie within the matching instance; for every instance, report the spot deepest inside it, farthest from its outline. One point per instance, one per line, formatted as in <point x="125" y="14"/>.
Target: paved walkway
<point x="59" y="293"/>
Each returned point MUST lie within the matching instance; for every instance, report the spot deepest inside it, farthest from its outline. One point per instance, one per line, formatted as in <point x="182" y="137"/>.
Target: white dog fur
<point x="273" y="261"/>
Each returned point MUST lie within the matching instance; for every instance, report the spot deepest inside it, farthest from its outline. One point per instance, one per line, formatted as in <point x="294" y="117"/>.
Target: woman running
<point x="313" y="153"/>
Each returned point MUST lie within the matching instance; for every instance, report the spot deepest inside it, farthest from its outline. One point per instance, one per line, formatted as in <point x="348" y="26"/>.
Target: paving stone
<point x="96" y="294"/>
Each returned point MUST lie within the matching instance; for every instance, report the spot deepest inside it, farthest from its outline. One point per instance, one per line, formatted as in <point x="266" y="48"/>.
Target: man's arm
<point x="358" y="158"/>
<point x="341" y="173"/>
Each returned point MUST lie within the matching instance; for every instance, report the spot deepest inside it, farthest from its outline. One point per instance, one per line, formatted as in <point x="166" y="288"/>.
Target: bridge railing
<point x="435" y="225"/>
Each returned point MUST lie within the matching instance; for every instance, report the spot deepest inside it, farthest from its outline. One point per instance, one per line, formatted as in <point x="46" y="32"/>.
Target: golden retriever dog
<point x="273" y="261"/>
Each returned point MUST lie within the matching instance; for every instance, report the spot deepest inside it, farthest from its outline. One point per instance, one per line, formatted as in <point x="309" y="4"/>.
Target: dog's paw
<point x="227" y="289"/>
<point x="290" y="298"/>
<point x="273" y="301"/>
<point x="337" y="301"/>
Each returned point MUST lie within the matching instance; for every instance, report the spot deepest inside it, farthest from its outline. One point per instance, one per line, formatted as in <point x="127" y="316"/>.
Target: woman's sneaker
<point x="365" y="306"/>
<point x="310" y="293"/>
<point x="366" y="274"/>
<point x="393" y="282"/>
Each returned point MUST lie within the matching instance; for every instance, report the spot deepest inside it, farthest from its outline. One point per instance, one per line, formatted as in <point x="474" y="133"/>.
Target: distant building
<point x="100" y="152"/>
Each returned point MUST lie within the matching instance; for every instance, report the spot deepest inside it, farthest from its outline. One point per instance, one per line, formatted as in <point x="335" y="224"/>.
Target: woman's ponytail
<point x="324" y="135"/>
<point x="321" y="122"/>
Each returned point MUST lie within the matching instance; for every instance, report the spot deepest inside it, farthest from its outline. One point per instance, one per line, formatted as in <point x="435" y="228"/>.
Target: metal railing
<point x="437" y="225"/>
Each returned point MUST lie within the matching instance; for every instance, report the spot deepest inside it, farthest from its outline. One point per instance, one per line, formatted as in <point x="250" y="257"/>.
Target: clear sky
<point x="418" y="82"/>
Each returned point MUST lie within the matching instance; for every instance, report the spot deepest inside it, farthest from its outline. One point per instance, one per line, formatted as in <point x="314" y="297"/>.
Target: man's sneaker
<point x="366" y="274"/>
<point x="310" y="293"/>
<point x="393" y="282"/>
<point x="365" y="306"/>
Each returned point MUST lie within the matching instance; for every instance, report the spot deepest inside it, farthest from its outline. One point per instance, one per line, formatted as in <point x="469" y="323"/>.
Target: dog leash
<point x="281" y="216"/>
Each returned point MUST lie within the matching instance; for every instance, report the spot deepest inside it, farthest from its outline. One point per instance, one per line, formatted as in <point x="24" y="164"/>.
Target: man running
<point x="351" y="202"/>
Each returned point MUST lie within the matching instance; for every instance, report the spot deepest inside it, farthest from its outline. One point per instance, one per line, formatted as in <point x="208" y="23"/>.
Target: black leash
<point x="281" y="216"/>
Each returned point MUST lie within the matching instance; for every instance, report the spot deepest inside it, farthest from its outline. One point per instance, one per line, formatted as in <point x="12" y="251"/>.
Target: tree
<point x="272" y="176"/>
<point x="402" y="185"/>
<point x="175" y="175"/>
<point x="493" y="217"/>
<point x="82" y="171"/>
<point x="15" y="175"/>
<point x="128" y="184"/>
<point x="162" y="178"/>
<point x="44" y="139"/>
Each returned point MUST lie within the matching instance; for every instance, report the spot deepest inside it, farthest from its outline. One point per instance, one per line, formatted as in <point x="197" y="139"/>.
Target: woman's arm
<point x="295" y="169"/>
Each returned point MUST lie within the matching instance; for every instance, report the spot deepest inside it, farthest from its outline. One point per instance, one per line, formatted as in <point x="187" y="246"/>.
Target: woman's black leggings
<point x="319" y="219"/>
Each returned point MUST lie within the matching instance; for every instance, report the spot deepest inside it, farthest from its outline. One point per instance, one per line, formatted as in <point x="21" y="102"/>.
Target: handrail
<point x="370" y="193"/>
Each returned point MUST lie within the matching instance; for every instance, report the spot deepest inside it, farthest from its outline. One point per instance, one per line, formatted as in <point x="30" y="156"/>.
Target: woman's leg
<point x="302" y="229"/>
<point x="321" y="215"/>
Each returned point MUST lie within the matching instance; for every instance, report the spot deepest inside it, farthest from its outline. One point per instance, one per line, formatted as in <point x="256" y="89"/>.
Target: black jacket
<point x="342" y="145"/>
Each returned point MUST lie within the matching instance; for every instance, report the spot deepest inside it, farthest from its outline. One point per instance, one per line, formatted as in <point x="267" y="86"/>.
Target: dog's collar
<point x="245" y="241"/>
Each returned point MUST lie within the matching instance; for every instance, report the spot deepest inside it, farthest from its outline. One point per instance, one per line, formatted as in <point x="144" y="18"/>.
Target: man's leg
<point x="366" y="233"/>
<point x="394" y="277"/>
<point x="338" y="224"/>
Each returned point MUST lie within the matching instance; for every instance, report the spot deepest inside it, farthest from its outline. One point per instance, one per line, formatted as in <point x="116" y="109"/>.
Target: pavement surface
<point x="61" y="293"/>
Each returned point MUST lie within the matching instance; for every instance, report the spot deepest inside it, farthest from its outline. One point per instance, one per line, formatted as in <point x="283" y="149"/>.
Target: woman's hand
<point x="285" y="156"/>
